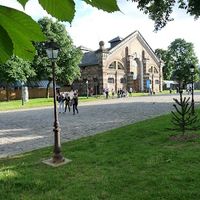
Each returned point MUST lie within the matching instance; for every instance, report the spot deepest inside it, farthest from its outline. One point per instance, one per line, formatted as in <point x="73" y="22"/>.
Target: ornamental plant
<point x="183" y="119"/>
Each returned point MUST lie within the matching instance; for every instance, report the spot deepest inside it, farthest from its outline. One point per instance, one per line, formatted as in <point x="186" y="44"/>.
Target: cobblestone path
<point x="25" y="130"/>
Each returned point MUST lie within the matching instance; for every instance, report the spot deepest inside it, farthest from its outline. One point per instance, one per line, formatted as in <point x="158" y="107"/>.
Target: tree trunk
<point x="7" y="92"/>
<point x="47" y="89"/>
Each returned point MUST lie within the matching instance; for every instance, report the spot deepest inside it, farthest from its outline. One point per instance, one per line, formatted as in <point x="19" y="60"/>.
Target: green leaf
<point x="63" y="10"/>
<point x="22" y="30"/>
<point x="6" y="45"/>
<point x="23" y="2"/>
<point x="106" y="5"/>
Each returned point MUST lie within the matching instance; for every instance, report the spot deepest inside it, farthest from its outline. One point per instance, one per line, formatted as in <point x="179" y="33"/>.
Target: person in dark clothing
<point x="75" y="103"/>
<point x="67" y="102"/>
<point x="107" y="93"/>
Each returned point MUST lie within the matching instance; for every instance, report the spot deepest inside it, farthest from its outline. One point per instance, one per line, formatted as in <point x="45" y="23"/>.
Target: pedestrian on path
<point x="61" y="99"/>
<point x="67" y="102"/>
<point x="75" y="103"/>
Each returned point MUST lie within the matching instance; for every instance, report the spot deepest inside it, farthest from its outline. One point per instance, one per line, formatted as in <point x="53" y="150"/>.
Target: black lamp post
<point x="52" y="50"/>
<point x="192" y="73"/>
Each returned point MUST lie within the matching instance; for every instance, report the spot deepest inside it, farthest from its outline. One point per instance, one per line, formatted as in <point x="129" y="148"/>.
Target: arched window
<point x="155" y="71"/>
<point x="150" y="69"/>
<point x="112" y="65"/>
<point x="119" y="65"/>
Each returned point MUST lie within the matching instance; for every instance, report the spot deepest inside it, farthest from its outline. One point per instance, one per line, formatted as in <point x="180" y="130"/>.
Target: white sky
<point x="91" y="25"/>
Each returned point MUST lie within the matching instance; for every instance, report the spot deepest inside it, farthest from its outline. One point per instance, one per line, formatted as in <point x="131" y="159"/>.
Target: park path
<point x="26" y="130"/>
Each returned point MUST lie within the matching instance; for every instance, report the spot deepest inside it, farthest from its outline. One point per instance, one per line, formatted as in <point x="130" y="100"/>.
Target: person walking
<point x="61" y="99"/>
<point x="75" y="103"/>
<point x="67" y="102"/>
<point x="107" y="93"/>
<point x="113" y="93"/>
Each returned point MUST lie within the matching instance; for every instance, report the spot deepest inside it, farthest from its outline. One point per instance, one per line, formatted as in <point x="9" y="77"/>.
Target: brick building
<point x="128" y="63"/>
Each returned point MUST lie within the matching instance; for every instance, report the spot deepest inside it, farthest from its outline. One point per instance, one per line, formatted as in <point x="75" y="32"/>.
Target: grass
<point x="135" y="162"/>
<point x="33" y="103"/>
<point x="43" y="102"/>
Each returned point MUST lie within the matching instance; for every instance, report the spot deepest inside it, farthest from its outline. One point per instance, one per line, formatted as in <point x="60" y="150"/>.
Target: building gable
<point x="136" y="35"/>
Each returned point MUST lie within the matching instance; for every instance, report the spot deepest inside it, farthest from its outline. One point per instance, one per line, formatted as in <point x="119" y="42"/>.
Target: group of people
<point x="120" y="93"/>
<point x="65" y="101"/>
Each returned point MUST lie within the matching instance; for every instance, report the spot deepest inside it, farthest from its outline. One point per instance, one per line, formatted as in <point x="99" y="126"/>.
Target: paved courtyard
<point x="25" y="130"/>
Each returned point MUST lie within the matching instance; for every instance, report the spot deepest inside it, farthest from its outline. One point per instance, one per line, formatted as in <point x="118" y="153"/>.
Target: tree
<point x="167" y="69"/>
<point x="177" y="60"/>
<point x="180" y="56"/>
<point x="15" y="69"/>
<point x="18" y="30"/>
<point x="160" y="10"/>
<point x="69" y="56"/>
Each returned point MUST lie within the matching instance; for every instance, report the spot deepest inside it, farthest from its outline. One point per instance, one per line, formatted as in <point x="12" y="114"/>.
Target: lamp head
<point x="192" y="68"/>
<point x="52" y="50"/>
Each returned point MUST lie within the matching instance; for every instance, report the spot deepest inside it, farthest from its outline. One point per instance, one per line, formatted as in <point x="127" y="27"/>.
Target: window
<point x="110" y="80"/>
<point x="155" y="71"/>
<point x="120" y="66"/>
<point x="150" y="70"/>
<point x="156" y="81"/>
<point x="122" y="80"/>
<point x="112" y="65"/>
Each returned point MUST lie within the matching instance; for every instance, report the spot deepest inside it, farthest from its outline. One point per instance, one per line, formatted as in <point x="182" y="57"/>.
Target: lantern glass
<point x="192" y="68"/>
<point x="52" y="53"/>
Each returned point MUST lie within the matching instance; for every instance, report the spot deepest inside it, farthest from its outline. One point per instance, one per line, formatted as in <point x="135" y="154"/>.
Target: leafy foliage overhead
<point x="160" y="10"/>
<point x="109" y="6"/>
<point x="19" y="30"/>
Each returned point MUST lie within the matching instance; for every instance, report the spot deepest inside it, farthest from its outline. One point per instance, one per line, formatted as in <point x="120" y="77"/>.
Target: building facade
<point x="128" y="63"/>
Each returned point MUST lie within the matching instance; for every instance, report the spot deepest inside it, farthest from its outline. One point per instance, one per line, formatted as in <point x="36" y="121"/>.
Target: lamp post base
<point x="58" y="158"/>
<point x="51" y="162"/>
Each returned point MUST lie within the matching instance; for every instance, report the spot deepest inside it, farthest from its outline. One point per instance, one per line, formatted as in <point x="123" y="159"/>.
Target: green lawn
<point x="33" y="103"/>
<point x="135" y="162"/>
<point x="43" y="102"/>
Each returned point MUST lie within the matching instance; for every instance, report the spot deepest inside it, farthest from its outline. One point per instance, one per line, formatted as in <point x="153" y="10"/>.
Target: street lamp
<point x="52" y="50"/>
<point x="87" y="87"/>
<point x="192" y="73"/>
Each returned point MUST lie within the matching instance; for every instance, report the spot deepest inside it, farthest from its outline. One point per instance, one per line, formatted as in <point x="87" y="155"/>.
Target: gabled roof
<point x="90" y="57"/>
<point x="136" y="34"/>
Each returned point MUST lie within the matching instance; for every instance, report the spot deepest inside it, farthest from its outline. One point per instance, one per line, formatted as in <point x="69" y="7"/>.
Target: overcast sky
<point x="91" y="25"/>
